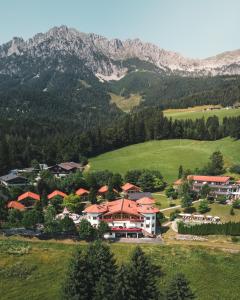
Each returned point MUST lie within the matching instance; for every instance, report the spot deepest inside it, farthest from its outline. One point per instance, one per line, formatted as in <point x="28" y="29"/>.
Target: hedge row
<point x="229" y="228"/>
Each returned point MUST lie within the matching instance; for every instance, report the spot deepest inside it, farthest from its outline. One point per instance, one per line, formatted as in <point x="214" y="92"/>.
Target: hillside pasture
<point x="213" y="274"/>
<point x="202" y="111"/>
<point x="166" y="156"/>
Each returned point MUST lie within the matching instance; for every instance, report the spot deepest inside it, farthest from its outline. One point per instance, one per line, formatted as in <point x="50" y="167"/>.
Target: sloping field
<point x="166" y="156"/>
<point x="201" y="111"/>
<point x="39" y="273"/>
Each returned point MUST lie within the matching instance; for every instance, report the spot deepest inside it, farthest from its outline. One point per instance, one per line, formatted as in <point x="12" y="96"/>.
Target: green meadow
<point x="199" y="112"/>
<point x="214" y="274"/>
<point x="166" y="156"/>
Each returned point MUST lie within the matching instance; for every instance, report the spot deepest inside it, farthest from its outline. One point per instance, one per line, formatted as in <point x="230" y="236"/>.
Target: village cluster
<point x="132" y="213"/>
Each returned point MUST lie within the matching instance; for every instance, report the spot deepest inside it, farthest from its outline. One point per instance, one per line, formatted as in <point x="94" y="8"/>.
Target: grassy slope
<point x="197" y="112"/>
<point x="213" y="274"/>
<point x="166" y="156"/>
<point x="126" y="104"/>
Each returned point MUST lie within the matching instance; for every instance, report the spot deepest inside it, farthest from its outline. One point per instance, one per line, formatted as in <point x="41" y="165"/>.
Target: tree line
<point x="52" y="141"/>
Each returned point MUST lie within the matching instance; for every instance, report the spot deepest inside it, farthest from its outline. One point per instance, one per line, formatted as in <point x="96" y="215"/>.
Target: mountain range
<point x="104" y="58"/>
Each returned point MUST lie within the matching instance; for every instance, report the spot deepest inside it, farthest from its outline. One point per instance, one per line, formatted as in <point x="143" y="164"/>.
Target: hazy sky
<point x="195" y="28"/>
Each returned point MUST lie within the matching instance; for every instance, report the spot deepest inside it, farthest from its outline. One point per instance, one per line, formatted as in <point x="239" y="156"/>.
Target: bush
<point x="203" y="207"/>
<point x="18" y="270"/>
<point x="221" y="199"/>
<point x="190" y="210"/>
<point x="174" y="214"/>
<point x="235" y="169"/>
<point x="236" y="204"/>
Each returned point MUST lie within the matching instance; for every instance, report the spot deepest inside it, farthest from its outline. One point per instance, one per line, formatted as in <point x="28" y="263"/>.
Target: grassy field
<point x="199" y="112"/>
<point x="213" y="274"/>
<point x="126" y="104"/>
<point x="166" y="156"/>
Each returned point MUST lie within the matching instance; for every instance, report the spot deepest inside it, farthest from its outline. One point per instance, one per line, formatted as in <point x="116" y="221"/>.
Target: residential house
<point x="125" y="217"/>
<point x="13" y="180"/>
<point x="28" y="199"/>
<point x="56" y="193"/>
<point x="65" y="168"/>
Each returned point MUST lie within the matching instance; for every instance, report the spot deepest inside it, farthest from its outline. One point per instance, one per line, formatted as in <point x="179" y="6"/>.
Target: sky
<point x="194" y="28"/>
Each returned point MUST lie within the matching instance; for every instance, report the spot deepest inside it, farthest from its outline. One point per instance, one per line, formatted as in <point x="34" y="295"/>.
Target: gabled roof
<point x="129" y="186"/>
<point x="96" y="208"/>
<point x="81" y="192"/>
<point x="221" y="179"/>
<point x="146" y="201"/>
<point x="124" y="206"/>
<point x="56" y="193"/>
<point x="29" y="195"/>
<point x="11" y="176"/>
<point x="104" y="189"/>
<point x="16" y="205"/>
<point x="139" y="195"/>
<point x="70" y="165"/>
<point x="148" y="209"/>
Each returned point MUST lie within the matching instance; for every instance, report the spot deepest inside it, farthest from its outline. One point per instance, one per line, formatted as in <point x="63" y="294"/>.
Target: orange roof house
<point x="29" y="195"/>
<point x="178" y="182"/>
<point x="16" y="205"/>
<point x="56" y="193"/>
<point x="129" y="187"/>
<point x="82" y="192"/>
<point x="221" y="179"/>
<point x="120" y="206"/>
<point x="146" y="201"/>
<point x="104" y="190"/>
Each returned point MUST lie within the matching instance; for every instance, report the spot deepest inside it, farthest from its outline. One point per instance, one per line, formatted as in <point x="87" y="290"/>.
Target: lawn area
<point x="166" y="156"/>
<point x="220" y="210"/>
<point x="213" y="274"/>
<point x="199" y="112"/>
<point x="162" y="201"/>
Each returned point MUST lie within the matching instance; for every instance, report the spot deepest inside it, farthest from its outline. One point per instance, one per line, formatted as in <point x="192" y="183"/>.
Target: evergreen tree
<point x="123" y="289"/>
<point x="102" y="267"/>
<point x="215" y="167"/>
<point x="180" y="171"/>
<point x="142" y="276"/>
<point x="78" y="282"/>
<point x="110" y="195"/>
<point x="101" y="290"/>
<point x="179" y="289"/>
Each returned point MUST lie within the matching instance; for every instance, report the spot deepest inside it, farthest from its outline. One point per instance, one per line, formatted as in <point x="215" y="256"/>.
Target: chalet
<point x="126" y="218"/>
<point x="219" y="185"/>
<point x="28" y="199"/>
<point x="56" y="193"/>
<point x="130" y="188"/>
<point x="16" y="205"/>
<point x="66" y="213"/>
<point x="104" y="189"/>
<point x="65" y="168"/>
<point x="13" y="180"/>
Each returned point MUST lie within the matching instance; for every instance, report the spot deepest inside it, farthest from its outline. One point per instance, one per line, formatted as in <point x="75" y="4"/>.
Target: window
<point x="141" y="224"/>
<point x="153" y="217"/>
<point x="153" y="224"/>
<point x="94" y="218"/>
<point x="147" y="226"/>
<point x="147" y="218"/>
<point x="153" y="232"/>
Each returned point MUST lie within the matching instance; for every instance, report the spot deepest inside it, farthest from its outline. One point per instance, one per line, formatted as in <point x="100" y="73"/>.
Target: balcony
<point x="121" y="219"/>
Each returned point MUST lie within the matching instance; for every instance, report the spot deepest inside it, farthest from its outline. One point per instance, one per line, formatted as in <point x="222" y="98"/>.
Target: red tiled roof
<point x="145" y="201"/>
<point x="56" y="193"/>
<point x="238" y="181"/>
<point x="104" y="189"/>
<point x="126" y="229"/>
<point x="148" y="210"/>
<point x="125" y="206"/>
<point x="16" y="205"/>
<point x="221" y="179"/>
<point x="81" y="192"/>
<point x="96" y="208"/>
<point x="29" y="195"/>
<point x="129" y="186"/>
